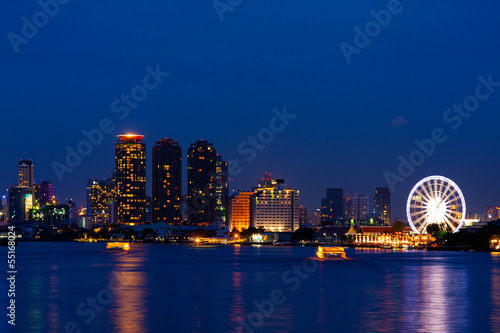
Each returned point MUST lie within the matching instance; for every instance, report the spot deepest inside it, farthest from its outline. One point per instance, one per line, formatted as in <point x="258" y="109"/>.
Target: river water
<point x="67" y="287"/>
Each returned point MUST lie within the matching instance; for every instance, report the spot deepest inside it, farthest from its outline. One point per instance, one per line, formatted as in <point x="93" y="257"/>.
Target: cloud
<point x="398" y="121"/>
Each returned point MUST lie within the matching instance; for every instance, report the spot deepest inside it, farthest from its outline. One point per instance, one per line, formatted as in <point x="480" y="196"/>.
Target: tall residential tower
<point x="130" y="176"/>
<point x="382" y="200"/>
<point x="202" y="173"/>
<point x="167" y="181"/>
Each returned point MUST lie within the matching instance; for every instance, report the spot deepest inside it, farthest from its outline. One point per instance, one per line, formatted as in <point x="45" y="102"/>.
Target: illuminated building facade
<point x="202" y="172"/>
<point x="26" y="174"/>
<point x="83" y="221"/>
<point x="238" y="211"/>
<point x="167" y="182"/>
<point x="100" y="201"/>
<point x="275" y="208"/>
<point x="130" y="176"/>
<point x="317" y="217"/>
<point x="221" y="187"/>
<point x="46" y="193"/>
<point x="303" y="220"/>
<point x="53" y="214"/>
<point x="360" y="206"/>
<point x="332" y="207"/>
<point x="19" y="203"/>
<point x="382" y="200"/>
<point x="491" y="213"/>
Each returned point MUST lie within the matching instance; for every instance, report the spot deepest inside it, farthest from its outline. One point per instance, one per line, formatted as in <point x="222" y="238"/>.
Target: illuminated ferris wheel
<point x="435" y="199"/>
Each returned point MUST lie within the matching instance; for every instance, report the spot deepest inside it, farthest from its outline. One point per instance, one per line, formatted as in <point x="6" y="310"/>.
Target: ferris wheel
<point x="436" y="199"/>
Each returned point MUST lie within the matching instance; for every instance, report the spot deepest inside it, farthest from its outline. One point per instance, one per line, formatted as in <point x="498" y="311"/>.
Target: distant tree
<point x="66" y="234"/>
<point x="249" y="232"/>
<point x="434" y="229"/>
<point x="303" y="234"/>
<point x="131" y="234"/>
<point x="104" y="233"/>
<point x="148" y="233"/>
<point x="398" y="226"/>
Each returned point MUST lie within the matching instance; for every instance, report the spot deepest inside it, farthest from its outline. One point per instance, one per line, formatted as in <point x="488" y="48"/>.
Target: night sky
<point x="352" y="120"/>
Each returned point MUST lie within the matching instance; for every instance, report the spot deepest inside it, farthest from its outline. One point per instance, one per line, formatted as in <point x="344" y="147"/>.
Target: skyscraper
<point x="275" y="207"/>
<point x="382" y="200"/>
<point x="332" y="207"/>
<point x="303" y="218"/>
<point x="130" y="175"/>
<point x="238" y="212"/>
<point x="100" y="200"/>
<point x="46" y="193"/>
<point x="360" y="207"/>
<point x="202" y="172"/>
<point x="19" y="202"/>
<point x="26" y="173"/>
<point x="167" y="181"/>
<point x="221" y="187"/>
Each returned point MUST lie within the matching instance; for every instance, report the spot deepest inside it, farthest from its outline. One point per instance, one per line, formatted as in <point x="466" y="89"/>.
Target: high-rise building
<point x="491" y="213"/>
<point x="332" y="207"/>
<point x="238" y="211"/>
<point x="25" y="173"/>
<point x="382" y="207"/>
<point x="265" y="181"/>
<point x="202" y="173"/>
<point x="221" y="187"/>
<point x="167" y="181"/>
<point x="46" y="193"/>
<point x="148" y="212"/>
<point x="275" y="208"/>
<point x="348" y="207"/>
<point x="130" y="176"/>
<point x="360" y="207"/>
<point x="317" y="217"/>
<point x="19" y="203"/>
<point x="82" y="218"/>
<point x="303" y="220"/>
<point x="100" y="201"/>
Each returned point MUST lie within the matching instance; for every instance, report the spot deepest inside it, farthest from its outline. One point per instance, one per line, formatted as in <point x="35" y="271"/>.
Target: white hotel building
<point x="275" y="207"/>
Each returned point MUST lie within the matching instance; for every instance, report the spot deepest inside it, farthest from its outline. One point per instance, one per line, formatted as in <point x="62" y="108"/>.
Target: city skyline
<point x="397" y="213"/>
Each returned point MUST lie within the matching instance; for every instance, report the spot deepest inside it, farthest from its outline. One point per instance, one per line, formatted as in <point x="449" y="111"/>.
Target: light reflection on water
<point x="129" y="308"/>
<point x="181" y="289"/>
<point x="494" y="317"/>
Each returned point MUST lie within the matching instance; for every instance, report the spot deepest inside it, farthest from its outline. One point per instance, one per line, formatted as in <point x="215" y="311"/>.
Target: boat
<point x="335" y="252"/>
<point x="118" y="246"/>
<point x="386" y="246"/>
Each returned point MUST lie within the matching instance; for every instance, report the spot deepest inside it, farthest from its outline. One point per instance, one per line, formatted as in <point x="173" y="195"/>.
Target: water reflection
<point x="131" y="296"/>
<point x="53" y="311"/>
<point x="427" y="298"/>
<point x="495" y="294"/>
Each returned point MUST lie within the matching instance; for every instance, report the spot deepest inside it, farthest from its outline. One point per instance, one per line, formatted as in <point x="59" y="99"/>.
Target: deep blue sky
<point x="227" y="76"/>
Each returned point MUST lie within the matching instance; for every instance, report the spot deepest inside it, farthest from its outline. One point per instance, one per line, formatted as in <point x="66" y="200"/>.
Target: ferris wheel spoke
<point x="449" y="189"/>
<point x="425" y="190"/>
<point x="451" y="224"/>
<point x="418" y="221"/>
<point x="455" y="199"/>
<point x="421" y="194"/>
<point x="451" y="216"/>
